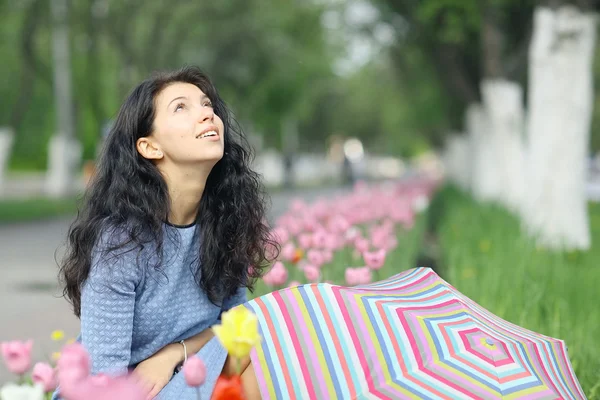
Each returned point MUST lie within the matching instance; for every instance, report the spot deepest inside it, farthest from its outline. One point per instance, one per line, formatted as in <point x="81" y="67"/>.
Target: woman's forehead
<point x="179" y="89"/>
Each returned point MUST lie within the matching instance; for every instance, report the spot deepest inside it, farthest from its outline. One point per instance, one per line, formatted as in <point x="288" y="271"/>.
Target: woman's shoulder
<point x="117" y="251"/>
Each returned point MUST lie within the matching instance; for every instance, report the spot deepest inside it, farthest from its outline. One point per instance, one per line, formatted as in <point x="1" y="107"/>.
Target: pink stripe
<point x="570" y="369"/>
<point x="279" y="352"/>
<point x="363" y="362"/>
<point x="556" y="373"/>
<point x="308" y="342"/>
<point x="416" y="350"/>
<point x="260" y="375"/>
<point x="296" y="343"/>
<point x="406" y="374"/>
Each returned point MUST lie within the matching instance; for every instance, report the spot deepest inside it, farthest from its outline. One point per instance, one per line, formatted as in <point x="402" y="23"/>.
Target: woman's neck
<point x="185" y="191"/>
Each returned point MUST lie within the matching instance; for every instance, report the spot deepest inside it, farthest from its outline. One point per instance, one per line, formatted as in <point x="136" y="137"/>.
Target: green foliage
<point x="451" y="21"/>
<point x="266" y="57"/>
<point x="35" y="209"/>
<point x="486" y="256"/>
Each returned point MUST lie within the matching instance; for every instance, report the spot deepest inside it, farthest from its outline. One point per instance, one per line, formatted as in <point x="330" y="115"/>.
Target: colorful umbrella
<point x="412" y="336"/>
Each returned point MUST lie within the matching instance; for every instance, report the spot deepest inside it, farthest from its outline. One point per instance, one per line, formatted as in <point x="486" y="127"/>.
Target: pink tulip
<point x="382" y="241"/>
<point x="311" y="273"/>
<point x="107" y="387"/>
<point x="352" y="234"/>
<point x="319" y="238"/>
<point x="351" y="277"/>
<point x="277" y="275"/>
<point x="294" y="226"/>
<point x="391" y="244"/>
<point x="310" y="223"/>
<point x="334" y="242"/>
<point x="305" y="240"/>
<point x="288" y="251"/>
<point x="315" y="257"/>
<point x="17" y="356"/>
<point x="339" y="224"/>
<point x="375" y="259"/>
<point x="76" y="383"/>
<point x="280" y="235"/>
<point x="358" y="276"/>
<point x="73" y="368"/>
<point x="327" y="256"/>
<point x="294" y="284"/>
<point x="298" y="205"/>
<point x="194" y="371"/>
<point x="362" y="244"/>
<point x="44" y="375"/>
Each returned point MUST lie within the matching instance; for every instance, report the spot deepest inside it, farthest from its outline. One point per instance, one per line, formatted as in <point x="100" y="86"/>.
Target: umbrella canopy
<point x="412" y="336"/>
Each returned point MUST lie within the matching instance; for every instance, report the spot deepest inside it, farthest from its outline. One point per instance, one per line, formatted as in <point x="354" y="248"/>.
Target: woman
<point x="170" y="224"/>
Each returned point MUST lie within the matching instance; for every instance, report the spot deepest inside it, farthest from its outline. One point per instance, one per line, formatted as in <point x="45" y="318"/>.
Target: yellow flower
<point x="56" y="355"/>
<point x="58" y="335"/>
<point x="238" y="331"/>
<point x="485" y="245"/>
<point x="468" y="273"/>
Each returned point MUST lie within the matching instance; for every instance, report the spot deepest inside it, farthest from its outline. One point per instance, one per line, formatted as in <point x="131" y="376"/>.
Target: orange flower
<point x="228" y="388"/>
<point x="298" y="254"/>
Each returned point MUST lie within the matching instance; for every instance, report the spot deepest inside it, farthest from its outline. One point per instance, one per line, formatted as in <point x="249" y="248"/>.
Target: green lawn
<point x="485" y="255"/>
<point x="13" y="211"/>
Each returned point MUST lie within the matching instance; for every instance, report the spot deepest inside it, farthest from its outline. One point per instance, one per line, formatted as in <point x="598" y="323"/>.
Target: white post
<point x="560" y="110"/>
<point x="64" y="152"/>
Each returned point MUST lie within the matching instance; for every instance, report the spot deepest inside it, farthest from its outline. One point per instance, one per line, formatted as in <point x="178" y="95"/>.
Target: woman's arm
<point x="107" y="306"/>
<point x="174" y="352"/>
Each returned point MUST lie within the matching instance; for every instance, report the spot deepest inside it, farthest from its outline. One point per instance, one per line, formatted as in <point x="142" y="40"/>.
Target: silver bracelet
<point x="184" y="351"/>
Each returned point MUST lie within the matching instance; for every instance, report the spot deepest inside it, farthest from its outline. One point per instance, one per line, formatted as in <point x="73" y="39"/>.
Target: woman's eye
<point x="179" y="106"/>
<point x="208" y="104"/>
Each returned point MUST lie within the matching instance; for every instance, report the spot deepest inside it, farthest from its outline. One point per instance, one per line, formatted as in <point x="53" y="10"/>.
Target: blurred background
<point x="497" y="97"/>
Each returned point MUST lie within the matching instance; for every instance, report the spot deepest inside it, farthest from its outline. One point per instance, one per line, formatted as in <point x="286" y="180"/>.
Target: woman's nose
<point x="206" y="114"/>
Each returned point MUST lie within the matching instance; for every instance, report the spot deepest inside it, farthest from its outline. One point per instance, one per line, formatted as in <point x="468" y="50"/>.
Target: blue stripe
<point x="266" y="342"/>
<point x="318" y="322"/>
<point x="327" y="295"/>
<point x="378" y="331"/>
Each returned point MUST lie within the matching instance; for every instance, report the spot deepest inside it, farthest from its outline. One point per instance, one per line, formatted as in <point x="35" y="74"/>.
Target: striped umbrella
<point x="412" y="336"/>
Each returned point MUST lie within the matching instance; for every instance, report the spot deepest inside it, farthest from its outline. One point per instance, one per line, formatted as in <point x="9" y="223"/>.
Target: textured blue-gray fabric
<point x="130" y="310"/>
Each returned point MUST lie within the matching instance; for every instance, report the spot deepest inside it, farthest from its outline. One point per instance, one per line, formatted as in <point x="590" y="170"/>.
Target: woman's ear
<point x="149" y="149"/>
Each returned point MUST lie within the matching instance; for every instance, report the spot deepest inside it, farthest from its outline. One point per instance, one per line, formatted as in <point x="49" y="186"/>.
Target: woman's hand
<point x="155" y="372"/>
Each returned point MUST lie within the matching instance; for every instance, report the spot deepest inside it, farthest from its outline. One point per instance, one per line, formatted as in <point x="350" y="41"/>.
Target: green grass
<point x="486" y="256"/>
<point x="403" y="257"/>
<point x="15" y="211"/>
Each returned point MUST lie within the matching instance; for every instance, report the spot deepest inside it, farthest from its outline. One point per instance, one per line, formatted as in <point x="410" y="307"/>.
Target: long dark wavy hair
<point x="128" y="192"/>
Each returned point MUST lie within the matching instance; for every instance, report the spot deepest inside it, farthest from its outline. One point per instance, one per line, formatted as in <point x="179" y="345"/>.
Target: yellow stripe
<point x="315" y="340"/>
<point x="526" y="392"/>
<point x="440" y="363"/>
<point x="265" y="368"/>
<point x="382" y="360"/>
<point x="260" y="354"/>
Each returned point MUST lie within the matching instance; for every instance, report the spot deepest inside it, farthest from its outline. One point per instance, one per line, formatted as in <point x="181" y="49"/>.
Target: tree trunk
<point x="456" y="160"/>
<point x="560" y="110"/>
<point x="480" y="144"/>
<point x="503" y="102"/>
<point x="6" y="141"/>
<point x="492" y="42"/>
<point x="64" y="151"/>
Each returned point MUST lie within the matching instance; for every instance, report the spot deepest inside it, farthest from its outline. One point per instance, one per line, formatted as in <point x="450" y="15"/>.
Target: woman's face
<point x="186" y="130"/>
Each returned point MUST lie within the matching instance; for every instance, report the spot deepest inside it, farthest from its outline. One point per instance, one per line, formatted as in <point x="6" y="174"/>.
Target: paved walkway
<point x="31" y="306"/>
